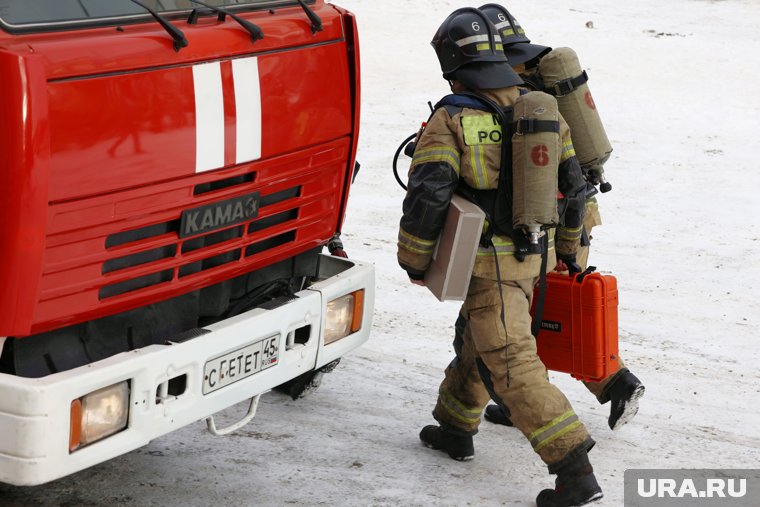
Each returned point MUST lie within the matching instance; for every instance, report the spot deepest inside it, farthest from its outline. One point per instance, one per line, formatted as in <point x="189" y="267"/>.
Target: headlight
<point x="99" y="414"/>
<point x="344" y="316"/>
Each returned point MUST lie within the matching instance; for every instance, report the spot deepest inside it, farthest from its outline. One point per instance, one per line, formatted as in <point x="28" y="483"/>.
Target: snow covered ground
<point x="677" y="85"/>
<point x="681" y="234"/>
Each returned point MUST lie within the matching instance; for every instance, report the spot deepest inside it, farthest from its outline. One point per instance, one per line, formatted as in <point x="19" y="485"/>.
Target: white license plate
<point x="239" y="364"/>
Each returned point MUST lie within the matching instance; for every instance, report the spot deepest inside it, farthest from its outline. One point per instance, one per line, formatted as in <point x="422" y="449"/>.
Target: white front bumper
<point x="35" y="413"/>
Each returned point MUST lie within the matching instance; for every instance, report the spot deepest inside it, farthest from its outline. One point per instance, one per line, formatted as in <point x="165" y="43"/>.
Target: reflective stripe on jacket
<point x="465" y="143"/>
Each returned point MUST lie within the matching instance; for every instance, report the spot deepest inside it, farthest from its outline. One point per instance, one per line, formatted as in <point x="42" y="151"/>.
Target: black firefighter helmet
<point x="517" y="45"/>
<point x="470" y="51"/>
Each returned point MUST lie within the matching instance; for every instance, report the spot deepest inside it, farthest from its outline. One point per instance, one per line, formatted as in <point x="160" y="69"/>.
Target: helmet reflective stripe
<point x="486" y="47"/>
<point x="508" y="26"/>
<point x="517" y="45"/>
<point x="476" y="38"/>
<point x="472" y="39"/>
<point x="470" y="50"/>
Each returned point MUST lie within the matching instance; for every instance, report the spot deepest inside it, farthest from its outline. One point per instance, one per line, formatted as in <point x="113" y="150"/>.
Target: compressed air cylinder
<point x="535" y="159"/>
<point x="592" y="147"/>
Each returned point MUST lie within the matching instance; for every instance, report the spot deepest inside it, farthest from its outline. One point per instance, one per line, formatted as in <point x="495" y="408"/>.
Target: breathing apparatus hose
<point x="401" y="147"/>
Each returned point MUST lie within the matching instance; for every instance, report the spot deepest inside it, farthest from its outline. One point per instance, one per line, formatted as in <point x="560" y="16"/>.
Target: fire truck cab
<point x="171" y="171"/>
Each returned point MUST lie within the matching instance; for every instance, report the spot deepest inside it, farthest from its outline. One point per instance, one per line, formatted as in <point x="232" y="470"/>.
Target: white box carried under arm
<point x="448" y="276"/>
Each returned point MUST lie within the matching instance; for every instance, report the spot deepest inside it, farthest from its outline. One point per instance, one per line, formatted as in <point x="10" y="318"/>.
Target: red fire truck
<point x="171" y="171"/>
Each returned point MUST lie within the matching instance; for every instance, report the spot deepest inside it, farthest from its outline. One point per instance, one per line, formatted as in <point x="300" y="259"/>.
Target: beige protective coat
<point x="501" y="354"/>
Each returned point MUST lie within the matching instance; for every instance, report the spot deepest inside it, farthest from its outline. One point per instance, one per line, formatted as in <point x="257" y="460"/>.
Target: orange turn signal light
<point x="75" y="431"/>
<point x="356" y="322"/>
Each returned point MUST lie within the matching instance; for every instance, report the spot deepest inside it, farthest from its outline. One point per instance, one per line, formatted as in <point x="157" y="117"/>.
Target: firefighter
<point x="495" y="351"/>
<point x="622" y="389"/>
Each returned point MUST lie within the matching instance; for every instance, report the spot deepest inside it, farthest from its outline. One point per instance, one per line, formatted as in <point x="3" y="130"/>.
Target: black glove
<point x="569" y="259"/>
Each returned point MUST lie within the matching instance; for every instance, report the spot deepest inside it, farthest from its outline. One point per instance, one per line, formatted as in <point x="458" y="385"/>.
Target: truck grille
<point x="233" y="235"/>
<point x="115" y="252"/>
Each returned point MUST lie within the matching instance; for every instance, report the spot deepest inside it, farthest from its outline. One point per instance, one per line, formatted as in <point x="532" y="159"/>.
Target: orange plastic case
<point x="579" y="326"/>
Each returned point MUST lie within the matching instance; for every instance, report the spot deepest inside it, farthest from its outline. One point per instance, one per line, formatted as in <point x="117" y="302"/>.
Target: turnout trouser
<point x="502" y="364"/>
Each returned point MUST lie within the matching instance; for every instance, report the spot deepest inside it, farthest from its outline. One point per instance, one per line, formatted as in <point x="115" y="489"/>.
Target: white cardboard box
<point x="448" y="276"/>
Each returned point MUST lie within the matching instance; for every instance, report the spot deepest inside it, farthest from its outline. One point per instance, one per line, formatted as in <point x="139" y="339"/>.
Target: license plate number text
<point x="239" y="364"/>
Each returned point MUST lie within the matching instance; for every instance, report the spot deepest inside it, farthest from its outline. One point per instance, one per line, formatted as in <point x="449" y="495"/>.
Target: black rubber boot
<point x="575" y="484"/>
<point x="457" y="446"/>
<point x="624" y="393"/>
<point x="497" y="415"/>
